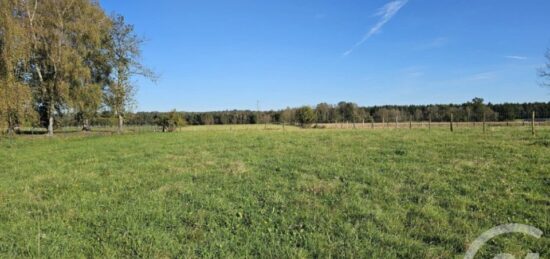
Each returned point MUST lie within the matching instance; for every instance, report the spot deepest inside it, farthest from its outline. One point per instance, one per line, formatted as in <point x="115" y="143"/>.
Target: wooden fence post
<point x="410" y="124"/>
<point x="452" y="122"/>
<point x="372" y="123"/>
<point x="383" y="122"/>
<point x="483" y="122"/>
<point x="533" y="123"/>
<point x="396" y="122"/>
<point x="430" y="122"/>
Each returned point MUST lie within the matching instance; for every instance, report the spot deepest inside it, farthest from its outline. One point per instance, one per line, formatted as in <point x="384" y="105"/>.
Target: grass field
<point x="215" y="192"/>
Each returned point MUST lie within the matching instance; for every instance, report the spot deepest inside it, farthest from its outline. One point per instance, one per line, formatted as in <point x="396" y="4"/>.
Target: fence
<point x="102" y="129"/>
<point x="95" y="129"/>
<point x="427" y="124"/>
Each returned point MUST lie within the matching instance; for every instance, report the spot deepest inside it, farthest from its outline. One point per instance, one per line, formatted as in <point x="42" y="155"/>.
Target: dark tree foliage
<point x="305" y="116"/>
<point x="472" y="111"/>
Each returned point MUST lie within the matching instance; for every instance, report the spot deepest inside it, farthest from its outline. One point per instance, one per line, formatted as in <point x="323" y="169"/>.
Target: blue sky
<point x="220" y="55"/>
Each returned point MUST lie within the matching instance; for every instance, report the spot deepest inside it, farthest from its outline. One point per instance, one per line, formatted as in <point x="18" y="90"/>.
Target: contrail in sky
<point x="385" y="13"/>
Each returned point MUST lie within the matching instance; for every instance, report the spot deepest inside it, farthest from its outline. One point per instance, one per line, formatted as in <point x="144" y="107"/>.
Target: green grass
<point x="249" y="192"/>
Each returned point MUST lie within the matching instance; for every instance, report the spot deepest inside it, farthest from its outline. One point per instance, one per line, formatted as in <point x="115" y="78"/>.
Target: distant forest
<point x="474" y="110"/>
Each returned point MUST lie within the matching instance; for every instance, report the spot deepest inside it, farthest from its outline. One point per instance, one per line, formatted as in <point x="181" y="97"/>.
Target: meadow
<point x="238" y="191"/>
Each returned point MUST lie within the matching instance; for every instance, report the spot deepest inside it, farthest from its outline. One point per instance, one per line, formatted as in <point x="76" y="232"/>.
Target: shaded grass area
<point x="273" y="193"/>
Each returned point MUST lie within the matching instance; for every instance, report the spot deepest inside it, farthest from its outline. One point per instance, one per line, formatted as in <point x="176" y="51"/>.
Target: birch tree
<point x="125" y="60"/>
<point x="15" y="94"/>
<point x="86" y="92"/>
<point x="60" y="31"/>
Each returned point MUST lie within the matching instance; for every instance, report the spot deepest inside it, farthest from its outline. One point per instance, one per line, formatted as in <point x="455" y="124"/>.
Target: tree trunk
<point x="50" y="125"/>
<point x="86" y="126"/>
<point x="51" y="108"/>
<point x="120" y="123"/>
<point x="11" y="126"/>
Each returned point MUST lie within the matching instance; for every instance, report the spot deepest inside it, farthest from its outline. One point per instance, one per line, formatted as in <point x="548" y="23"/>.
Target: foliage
<point x="305" y="116"/>
<point x="64" y="57"/>
<point x="124" y="57"/>
<point x="326" y="113"/>
<point x="63" y="34"/>
<point x="171" y="121"/>
<point x="15" y="96"/>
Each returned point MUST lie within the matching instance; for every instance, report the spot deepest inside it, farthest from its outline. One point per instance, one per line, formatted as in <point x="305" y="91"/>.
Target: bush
<point x="171" y="121"/>
<point x="305" y="116"/>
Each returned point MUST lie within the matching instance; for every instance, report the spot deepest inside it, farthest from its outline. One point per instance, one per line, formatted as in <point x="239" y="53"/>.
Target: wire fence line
<point x="109" y="129"/>
<point x="427" y="124"/>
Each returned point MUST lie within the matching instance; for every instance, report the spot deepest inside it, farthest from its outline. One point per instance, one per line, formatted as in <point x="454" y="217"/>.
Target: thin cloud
<point x="385" y="13"/>
<point x="415" y="74"/>
<point x="413" y="71"/>
<point x="433" y="44"/>
<point x="481" y="76"/>
<point x="516" y="57"/>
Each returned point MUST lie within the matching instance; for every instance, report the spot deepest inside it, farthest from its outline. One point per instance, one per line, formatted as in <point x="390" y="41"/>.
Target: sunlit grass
<point x="225" y="191"/>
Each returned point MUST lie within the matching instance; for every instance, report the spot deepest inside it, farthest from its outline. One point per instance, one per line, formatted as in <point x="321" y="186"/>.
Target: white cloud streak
<point x="433" y="44"/>
<point x="481" y="76"/>
<point x="385" y="13"/>
<point x="516" y="57"/>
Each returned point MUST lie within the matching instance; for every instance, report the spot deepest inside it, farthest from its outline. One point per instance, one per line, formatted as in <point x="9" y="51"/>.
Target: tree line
<point x="472" y="111"/>
<point x="65" y="58"/>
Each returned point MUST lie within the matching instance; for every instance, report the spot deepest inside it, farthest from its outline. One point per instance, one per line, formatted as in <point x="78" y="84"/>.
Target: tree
<point x="171" y="121"/>
<point x="15" y="95"/>
<point x="544" y="72"/>
<point x="361" y="115"/>
<point x="124" y="55"/>
<point x="323" y="111"/>
<point x="61" y="32"/>
<point x="87" y="94"/>
<point x="478" y="108"/>
<point x="305" y="115"/>
<point x="208" y="119"/>
<point x="348" y="111"/>
<point x="86" y="100"/>
<point x="288" y="115"/>
<point x="381" y="114"/>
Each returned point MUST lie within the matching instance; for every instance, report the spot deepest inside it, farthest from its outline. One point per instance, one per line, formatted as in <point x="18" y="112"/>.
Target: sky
<point x="224" y="55"/>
